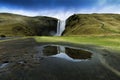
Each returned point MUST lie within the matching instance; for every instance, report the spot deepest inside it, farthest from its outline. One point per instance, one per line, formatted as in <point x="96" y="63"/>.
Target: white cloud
<point x="63" y="14"/>
<point x="16" y="11"/>
<point x="110" y="9"/>
<point x="60" y="14"/>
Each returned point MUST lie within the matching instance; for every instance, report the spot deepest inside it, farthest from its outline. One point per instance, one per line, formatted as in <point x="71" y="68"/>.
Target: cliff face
<point x="92" y="24"/>
<point x="18" y="25"/>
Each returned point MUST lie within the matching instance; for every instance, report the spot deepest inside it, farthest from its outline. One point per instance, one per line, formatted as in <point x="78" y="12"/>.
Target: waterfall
<point x="60" y="27"/>
<point x="61" y="49"/>
<point x="62" y="54"/>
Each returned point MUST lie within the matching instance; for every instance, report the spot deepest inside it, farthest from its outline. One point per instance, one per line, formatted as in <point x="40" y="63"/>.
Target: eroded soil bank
<point x="23" y="60"/>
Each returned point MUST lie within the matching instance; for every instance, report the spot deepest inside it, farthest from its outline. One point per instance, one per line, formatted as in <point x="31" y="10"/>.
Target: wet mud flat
<point x="6" y="38"/>
<point x="29" y="60"/>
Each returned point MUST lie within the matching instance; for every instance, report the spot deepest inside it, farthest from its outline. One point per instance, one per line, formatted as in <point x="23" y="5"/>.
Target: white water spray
<point x="60" y="27"/>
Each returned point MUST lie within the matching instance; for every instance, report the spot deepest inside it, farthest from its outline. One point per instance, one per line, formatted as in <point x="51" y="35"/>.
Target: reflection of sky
<point x="3" y="65"/>
<point x="65" y="56"/>
<point x="62" y="55"/>
<point x="59" y="8"/>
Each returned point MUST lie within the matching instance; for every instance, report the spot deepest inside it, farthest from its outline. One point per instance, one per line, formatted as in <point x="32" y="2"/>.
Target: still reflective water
<point x="65" y="52"/>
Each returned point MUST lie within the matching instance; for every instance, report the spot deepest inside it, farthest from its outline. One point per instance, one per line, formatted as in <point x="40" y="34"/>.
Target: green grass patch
<point x="112" y="42"/>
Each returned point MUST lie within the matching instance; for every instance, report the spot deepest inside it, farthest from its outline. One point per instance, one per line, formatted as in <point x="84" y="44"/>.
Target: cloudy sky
<point x="59" y="8"/>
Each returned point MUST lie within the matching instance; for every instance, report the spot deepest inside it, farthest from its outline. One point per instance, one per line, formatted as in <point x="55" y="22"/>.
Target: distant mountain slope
<point x="18" y="25"/>
<point x="88" y="24"/>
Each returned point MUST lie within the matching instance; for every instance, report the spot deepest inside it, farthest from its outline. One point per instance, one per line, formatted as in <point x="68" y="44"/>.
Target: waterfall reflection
<point x="66" y="53"/>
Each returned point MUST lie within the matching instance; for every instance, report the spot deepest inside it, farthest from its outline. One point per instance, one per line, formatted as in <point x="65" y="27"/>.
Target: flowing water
<point x="60" y="27"/>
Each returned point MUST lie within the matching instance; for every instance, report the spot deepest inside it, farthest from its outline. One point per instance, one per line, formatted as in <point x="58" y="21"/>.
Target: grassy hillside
<point x="18" y="25"/>
<point x="94" y="24"/>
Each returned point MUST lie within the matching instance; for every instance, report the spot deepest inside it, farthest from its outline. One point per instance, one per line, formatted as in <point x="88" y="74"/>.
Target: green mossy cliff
<point x="92" y="24"/>
<point x="18" y="25"/>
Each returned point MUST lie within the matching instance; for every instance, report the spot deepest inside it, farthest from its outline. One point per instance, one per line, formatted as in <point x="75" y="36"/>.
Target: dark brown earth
<point x="22" y="62"/>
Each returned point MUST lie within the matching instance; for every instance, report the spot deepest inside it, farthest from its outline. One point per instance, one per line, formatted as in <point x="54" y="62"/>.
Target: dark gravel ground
<point x="18" y="61"/>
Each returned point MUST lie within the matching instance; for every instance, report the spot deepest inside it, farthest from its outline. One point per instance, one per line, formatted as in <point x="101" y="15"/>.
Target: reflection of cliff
<point x="77" y="54"/>
<point x="50" y="50"/>
<point x="72" y="53"/>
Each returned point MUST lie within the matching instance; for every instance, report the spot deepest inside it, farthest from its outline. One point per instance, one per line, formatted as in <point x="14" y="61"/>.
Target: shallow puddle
<point x="3" y="65"/>
<point x="65" y="52"/>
